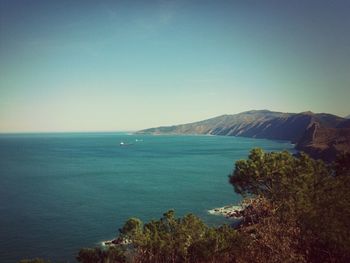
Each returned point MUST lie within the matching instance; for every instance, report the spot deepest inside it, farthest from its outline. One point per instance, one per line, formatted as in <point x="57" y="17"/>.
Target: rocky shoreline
<point x="228" y="211"/>
<point x="116" y="241"/>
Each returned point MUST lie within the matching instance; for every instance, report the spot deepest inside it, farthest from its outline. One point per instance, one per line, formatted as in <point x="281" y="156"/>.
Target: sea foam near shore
<point x="227" y="211"/>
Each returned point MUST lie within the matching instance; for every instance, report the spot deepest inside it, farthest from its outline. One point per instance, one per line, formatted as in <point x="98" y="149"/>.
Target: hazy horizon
<point x="75" y="66"/>
<point x="119" y="130"/>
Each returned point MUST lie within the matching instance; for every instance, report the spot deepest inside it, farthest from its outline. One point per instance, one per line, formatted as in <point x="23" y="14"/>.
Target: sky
<point x="128" y="65"/>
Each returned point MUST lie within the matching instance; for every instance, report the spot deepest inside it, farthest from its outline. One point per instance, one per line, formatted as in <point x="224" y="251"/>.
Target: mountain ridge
<point x="321" y="135"/>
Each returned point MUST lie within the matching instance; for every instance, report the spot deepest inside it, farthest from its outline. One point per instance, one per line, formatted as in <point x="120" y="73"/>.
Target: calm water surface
<point x="61" y="192"/>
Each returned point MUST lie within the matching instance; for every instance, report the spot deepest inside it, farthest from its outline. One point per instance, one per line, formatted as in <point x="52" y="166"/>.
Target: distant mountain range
<point x="321" y="135"/>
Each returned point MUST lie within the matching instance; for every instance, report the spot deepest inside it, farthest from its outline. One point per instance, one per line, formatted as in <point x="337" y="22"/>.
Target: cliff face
<point x="325" y="143"/>
<point x="320" y="135"/>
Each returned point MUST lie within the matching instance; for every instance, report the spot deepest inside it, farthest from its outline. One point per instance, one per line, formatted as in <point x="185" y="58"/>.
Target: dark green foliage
<point x="304" y="194"/>
<point x="89" y="255"/>
<point x="35" y="260"/>
<point x="98" y="255"/>
<point x="170" y="239"/>
<point x="186" y="239"/>
<point x="132" y="228"/>
<point x="218" y="245"/>
<point x="277" y="176"/>
<point x="328" y="220"/>
<point x="342" y="165"/>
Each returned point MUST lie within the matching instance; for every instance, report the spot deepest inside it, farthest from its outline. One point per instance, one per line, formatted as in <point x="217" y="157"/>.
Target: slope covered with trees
<point x="297" y="209"/>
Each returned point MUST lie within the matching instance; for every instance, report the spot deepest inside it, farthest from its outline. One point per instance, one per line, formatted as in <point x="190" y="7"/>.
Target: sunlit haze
<point x="128" y="65"/>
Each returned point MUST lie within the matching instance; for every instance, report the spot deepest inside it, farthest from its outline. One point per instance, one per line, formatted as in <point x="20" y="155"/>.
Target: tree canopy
<point x="303" y="195"/>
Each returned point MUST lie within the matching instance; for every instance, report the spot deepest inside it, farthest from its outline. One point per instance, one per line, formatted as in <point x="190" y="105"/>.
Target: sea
<point x="60" y="192"/>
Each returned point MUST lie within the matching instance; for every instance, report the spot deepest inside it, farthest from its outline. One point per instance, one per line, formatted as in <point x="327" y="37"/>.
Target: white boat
<point x="125" y="144"/>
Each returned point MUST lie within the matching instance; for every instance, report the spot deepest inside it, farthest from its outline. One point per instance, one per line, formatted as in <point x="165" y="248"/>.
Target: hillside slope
<point x="324" y="143"/>
<point x="329" y="132"/>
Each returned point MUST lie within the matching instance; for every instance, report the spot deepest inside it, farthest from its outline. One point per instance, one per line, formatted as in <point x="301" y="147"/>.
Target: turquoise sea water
<point x="60" y="192"/>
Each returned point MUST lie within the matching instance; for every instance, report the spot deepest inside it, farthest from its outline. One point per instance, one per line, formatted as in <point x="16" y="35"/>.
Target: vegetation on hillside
<point x="301" y="211"/>
<point x="297" y="209"/>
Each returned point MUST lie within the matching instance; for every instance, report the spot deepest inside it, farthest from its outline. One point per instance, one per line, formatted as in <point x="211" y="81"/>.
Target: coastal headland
<point x="321" y="135"/>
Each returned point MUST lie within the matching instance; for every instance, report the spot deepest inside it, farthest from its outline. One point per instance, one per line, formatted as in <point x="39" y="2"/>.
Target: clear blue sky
<point x="126" y="65"/>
